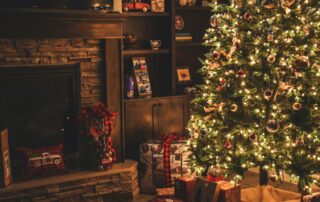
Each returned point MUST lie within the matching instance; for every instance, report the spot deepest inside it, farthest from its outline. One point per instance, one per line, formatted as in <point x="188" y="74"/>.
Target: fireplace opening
<point x="39" y="105"/>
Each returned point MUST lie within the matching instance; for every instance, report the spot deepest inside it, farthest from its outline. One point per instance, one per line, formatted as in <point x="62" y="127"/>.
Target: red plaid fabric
<point x="42" y="160"/>
<point x="166" y="155"/>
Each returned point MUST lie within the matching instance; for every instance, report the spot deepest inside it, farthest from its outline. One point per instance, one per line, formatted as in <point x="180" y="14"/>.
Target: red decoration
<point x="247" y="16"/>
<point x="166" y="154"/>
<point x="253" y="136"/>
<point x="212" y="178"/>
<point x="97" y="123"/>
<point x="42" y="160"/>
<point x="228" y="144"/>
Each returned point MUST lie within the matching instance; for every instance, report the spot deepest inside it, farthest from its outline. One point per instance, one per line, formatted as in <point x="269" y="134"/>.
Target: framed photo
<point x="142" y="77"/>
<point x="157" y="5"/>
<point x="5" y="166"/>
<point x="183" y="75"/>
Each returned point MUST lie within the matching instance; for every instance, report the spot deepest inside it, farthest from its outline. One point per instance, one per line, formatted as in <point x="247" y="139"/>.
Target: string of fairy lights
<point x="259" y="104"/>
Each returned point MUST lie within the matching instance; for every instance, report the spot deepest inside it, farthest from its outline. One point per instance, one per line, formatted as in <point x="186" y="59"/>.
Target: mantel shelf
<point x="196" y="8"/>
<point x="45" y="23"/>
<point x="146" y="14"/>
<point x="145" y="52"/>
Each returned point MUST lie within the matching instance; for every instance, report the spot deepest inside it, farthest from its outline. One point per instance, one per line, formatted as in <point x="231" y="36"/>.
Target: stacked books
<point x="183" y="37"/>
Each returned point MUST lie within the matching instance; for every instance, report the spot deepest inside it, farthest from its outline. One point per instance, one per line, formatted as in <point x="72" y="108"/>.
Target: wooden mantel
<point x="35" y="23"/>
<point x="57" y="23"/>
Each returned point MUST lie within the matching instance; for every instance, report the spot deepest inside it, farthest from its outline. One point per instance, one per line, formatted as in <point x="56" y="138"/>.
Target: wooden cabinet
<point x="150" y="118"/>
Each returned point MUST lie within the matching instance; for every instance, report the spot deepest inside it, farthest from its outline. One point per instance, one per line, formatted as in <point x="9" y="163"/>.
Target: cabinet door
<point x="139" y="125"/>
<point x="173" y="114"/>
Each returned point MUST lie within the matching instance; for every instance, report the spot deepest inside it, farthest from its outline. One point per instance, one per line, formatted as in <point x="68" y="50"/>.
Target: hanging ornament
<point x="214" y="65"/>
<point x="270" y="6"/>
<point x="213" y="21"/>
<point x="296" y="106"/>
<point x="287" y="3"/>
<point x="267" y="94"/>
<point x="234" y="107"/>
<point x="270" y="37"/>
<point x="253" y="136"/>
<point x="251" y="2"/>
<point x="306" y="30"/>
<point x="301" y="63"/>
<point x="247" y="16"/>
<point x="236" y="42"/>
<point x="271" y="58"/>
<point x="299" y="142"/>
<point x="228" y="144"/>
<point x="284" y="86"/>
<point x="241" y="73"/>
<point x="272" y="126"/>
<point x="216" y="54"/>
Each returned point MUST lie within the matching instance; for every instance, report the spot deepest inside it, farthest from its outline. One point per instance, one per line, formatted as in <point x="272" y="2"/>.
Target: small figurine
<point x="136" y="5"/>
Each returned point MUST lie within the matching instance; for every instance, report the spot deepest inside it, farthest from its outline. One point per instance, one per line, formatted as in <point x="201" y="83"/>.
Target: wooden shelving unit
<point x="146" y="14"/>
<point x="196" y="21"/>
<point x="145" y="52"/>
<point x="187" y="44"/>
<point x="196" y="8"/>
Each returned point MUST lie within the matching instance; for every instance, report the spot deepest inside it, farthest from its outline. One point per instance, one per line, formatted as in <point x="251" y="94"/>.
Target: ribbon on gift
<point x="212" y="178"/>
<point x="166" y="154"/>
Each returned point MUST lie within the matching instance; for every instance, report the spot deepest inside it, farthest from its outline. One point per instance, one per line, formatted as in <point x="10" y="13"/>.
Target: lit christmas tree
<point x="259" y="104"/>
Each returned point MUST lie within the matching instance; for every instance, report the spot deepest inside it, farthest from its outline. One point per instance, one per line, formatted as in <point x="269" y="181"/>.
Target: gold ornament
<point x="251" y="2"/>
<point x="271" y="58"/>
<point x="213" y="21"/>
<point x="296" y="106"/>
<point x="272" y="126"/>
<point x="306" y="30"/>
<point x="214" y="65"/>
<point x="287" y="3"/>
<point x="234" y="107"/>
<point x="270" y="6"/>
<point x="270" y="37"/>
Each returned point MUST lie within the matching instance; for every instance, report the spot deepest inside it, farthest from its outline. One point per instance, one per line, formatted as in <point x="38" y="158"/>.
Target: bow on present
<point x="167" y="139"/>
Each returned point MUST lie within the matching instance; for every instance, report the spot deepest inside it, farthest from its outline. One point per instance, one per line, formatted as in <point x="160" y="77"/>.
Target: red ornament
<point x="216" y="55"/>
<point x="228" y="144"/>
<point x="241" y="73"/>
<point x="299" y="142"/>
<point x="247" y="16"/>
<point x="253" y="136"/>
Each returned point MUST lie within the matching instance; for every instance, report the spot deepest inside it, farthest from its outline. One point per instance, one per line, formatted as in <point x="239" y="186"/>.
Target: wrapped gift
<point x="229" y="192"/>
<point x="204" y="191"/>
<point x="184" y="188"/>
<point x="161" y="161"/>
<point x="268" y="194"/>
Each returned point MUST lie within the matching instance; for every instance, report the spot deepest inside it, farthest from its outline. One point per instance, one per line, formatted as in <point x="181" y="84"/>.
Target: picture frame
<point x="183" y="75"/>
<point x="157" y="6"/>
<point x="141" y="74"/>
<point x="6" y="175"/>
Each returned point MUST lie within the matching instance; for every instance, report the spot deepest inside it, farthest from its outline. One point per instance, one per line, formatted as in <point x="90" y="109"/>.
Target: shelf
<point x="188" y="44"/>
<point x="196" y="8"/>
<point x="156" y="98"/>
<point x="145" y="52"/>
<point x="146" y="14"/>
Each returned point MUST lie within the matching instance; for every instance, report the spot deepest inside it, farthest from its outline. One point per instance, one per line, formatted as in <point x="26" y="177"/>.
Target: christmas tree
<point x="259" y="103"/>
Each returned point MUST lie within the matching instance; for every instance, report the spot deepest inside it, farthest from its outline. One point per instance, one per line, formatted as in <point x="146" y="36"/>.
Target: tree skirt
<point x="268" y="194"/>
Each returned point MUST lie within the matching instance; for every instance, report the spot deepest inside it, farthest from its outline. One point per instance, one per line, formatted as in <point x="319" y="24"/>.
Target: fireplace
<point x="39" y="105"/>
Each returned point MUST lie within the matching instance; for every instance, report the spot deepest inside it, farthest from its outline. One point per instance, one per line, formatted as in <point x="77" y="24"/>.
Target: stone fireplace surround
<point x="93" y="39"/>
